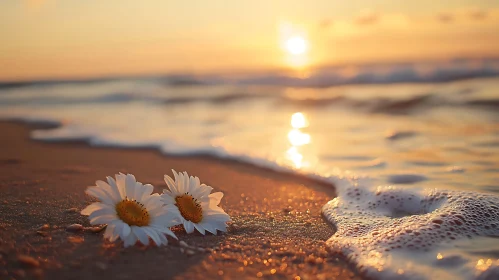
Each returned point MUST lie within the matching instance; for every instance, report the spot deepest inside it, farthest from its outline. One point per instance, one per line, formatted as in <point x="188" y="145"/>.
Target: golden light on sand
<point x="296" y="45"/>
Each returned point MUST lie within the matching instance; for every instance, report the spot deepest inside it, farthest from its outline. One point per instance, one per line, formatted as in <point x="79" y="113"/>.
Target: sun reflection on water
<point x="298" y="120"/>
<point x="295" y="156"/>
<point x="297" y="138"/>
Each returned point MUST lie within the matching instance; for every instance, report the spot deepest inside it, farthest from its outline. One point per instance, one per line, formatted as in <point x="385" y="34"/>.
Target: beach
<point x="277" y="230"/>
<point x="352" y="141"/>
<point x="278" y="153"/>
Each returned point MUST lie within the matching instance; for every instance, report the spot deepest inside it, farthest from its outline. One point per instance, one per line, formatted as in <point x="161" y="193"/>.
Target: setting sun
<point x="296" y="45"/>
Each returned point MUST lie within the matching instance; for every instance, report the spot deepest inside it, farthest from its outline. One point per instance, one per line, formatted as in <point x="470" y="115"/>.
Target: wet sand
<point x="278" y="231"/>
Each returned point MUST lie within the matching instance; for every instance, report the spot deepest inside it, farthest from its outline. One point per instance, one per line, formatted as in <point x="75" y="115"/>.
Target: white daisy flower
<point x="198" y="208"/>
<point x="130" y="211"/>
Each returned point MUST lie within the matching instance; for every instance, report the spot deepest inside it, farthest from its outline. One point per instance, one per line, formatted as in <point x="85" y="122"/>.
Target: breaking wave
<point x="376" y="73"/>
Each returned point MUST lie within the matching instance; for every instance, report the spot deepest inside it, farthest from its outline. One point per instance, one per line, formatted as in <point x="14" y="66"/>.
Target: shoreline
<point x="278" y="230"/>
<point x="42" y="125"/>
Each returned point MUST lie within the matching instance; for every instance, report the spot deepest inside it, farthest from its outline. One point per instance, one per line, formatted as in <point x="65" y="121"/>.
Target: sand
<point x="277" y="231"/>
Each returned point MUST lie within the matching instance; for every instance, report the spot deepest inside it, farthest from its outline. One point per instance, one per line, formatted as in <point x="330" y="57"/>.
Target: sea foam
<point x="394" y="233"/>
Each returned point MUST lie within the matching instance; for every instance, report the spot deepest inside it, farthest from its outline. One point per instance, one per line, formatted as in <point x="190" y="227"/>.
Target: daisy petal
<point x="100" y="194"/>
<point x="170" y="183"/>
<point x="112" y="182"/>
<point x="126" y="230"/>
<point x="102" y="212"/>
<point x="209" y="227"/>
<point x="221" y="226"/>
<point x="203" y="191"/>
<point x="105" y="219"/>
<point x="170" y="233"/>
<point x="141" y="235"/>
<point x="130" y="183"/>
<point x="146" y="191"/>
<point x="130" y="240"/>
<point x="118" y="230"/>
<point x="164" y="230"/>
<point x="163" y="238"/>
<point x="153" y="234"/>
<point x="193" y="184"/>
<point x="199" y="228"/>
<point x="110" y="191"/>
<point x="168" y="192"/>
<point x="109" y="231"/>
<point x="113" y="235"/>
<point x="179" y="182"/>
<point x="170" y="216"/>
<point x="187" y="187"/>
<point x="167" y="199"/>
<point x="120" y="183"/>
<point x="220" y="217"/>
<point x="215" y="198"/>
<point x="189" y="226"/>
<point x="92" y="207"/>
<point x="153" y="201"/>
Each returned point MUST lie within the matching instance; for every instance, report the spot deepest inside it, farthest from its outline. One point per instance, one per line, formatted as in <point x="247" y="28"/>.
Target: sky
<point x="46" y="39"/>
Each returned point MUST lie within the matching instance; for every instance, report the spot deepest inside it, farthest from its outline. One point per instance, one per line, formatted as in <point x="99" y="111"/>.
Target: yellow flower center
<point x="189" y="208"/>
<point x="133" y="213"/>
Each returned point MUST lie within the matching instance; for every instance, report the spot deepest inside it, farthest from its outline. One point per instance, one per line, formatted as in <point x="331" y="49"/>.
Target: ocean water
<point x="389" y="131"/>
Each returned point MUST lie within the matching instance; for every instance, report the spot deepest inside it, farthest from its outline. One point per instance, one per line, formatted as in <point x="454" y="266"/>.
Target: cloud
<point x="445" y="17"/>
<point x="368" y="18"/>
<point x="462" y="15"/>
<point x="477" y="14"/>
<point x="325" y="23"/>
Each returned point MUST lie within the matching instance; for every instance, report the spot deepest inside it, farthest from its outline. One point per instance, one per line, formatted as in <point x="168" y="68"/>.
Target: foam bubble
<point x="393" y="233"/>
